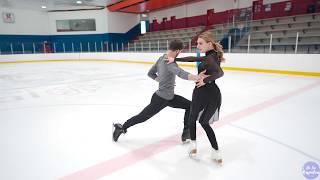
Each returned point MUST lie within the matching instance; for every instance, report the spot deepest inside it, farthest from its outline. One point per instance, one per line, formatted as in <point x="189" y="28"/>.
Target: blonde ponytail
<point x="219" y="49"/>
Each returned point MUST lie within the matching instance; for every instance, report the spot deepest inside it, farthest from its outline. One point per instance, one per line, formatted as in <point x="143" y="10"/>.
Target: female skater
<point x="206" y="97"/>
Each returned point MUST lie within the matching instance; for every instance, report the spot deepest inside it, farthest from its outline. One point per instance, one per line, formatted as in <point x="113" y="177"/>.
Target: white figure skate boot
<point x="216" y="156"/>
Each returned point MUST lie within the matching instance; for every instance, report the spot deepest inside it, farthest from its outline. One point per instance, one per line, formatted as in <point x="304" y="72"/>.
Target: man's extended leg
<point x="157" y="104"/>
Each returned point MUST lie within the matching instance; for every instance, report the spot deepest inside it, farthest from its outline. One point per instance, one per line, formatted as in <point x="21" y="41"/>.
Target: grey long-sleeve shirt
<point x="166" y="76"/>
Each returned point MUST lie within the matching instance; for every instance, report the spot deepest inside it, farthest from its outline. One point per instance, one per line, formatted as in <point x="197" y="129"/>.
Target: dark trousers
<point x="156" y="105"/>
<point x="205" y="102"/>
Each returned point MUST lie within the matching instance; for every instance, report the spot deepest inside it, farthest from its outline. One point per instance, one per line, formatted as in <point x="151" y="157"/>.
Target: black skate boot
<point x="185" y="137"/>
<point x="118" y="130"/>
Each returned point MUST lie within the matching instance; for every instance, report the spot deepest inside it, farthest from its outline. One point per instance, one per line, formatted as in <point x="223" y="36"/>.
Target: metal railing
<point x="237" y="41"/>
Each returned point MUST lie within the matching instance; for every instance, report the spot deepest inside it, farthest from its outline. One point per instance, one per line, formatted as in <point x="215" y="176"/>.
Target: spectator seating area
<point x="283" y="30"/>
<point x="284" y="35"/>
<point x="158" y="40"/>
<point x="280" y="20"/>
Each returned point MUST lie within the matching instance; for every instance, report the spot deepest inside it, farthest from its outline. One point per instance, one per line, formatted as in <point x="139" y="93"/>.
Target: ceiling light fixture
<point x="43" y="7"/>
<point x="79" y="2"/>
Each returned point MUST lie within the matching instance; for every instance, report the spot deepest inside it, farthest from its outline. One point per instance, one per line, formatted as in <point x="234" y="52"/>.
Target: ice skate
<point x="185" y="137"/>
<point x="216" y="156"/>
<point x="118" y="130"/>
<point x="193" y="149"/>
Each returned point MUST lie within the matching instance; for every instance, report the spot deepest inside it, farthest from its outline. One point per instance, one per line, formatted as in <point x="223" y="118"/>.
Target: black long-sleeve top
<point x="209" y="62"/>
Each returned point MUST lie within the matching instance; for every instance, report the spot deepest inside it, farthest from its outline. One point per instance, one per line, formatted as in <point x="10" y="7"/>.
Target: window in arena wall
<point x="76" y="25"/>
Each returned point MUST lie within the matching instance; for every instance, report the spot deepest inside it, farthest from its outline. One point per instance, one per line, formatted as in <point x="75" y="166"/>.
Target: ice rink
<point x="56" y="123"/>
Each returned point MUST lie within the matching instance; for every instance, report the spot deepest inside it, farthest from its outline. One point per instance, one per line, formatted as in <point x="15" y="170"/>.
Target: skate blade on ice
<point x="195" y="158"/>
<point x="218" y="161"/>
<point x="193" y="155"/>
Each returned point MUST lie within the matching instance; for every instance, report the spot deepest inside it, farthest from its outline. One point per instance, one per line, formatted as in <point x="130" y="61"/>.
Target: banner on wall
<point x="8" y="17"/>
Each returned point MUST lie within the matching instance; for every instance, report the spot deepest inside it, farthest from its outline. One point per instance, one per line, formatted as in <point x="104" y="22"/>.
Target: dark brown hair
<point x="175" y="45"/>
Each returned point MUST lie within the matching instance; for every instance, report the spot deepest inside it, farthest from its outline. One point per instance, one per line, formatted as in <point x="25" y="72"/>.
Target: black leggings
<point x="205" y="102"/>
<point x="156" y="105"/>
